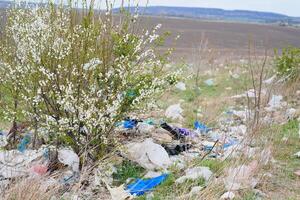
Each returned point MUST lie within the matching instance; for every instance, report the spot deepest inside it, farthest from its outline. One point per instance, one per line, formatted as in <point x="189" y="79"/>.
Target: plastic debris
<point x="145" y="128"/>
<point x="24" y="143"/>
<point x="195" y="173"/>
<point x="39" y="169"/>
<point x="16" y="164"/>
<point x="201" y="127"/>
<point x="140" y="187"/>
<point x="174" y="112"/>
<point x="178" y="133"/>
<point x="176" y="149"/>
<point x="209" y="82"/>
<point x="290" y="113"/>
<point x="152" y="174"/>
<point x="195" y="190"/>
<point x="241" y="177"/>
<point x="228" y="196"/>
<point x="130" y="124"/>
<point x="70" y="158"/>
<point x="270" y="80"/>
<point x="297" y="154"/>
<point x="275" y="101"/>
<point x="149" y="155"/>
<point x="118" y="193"/>
<point x="161" y="136"/>
<point x="180" y="86"/>
<point x="3" y="140"/>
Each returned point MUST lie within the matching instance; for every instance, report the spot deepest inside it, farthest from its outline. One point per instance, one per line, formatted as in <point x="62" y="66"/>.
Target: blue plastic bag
<point x="201" y="127"/>
<point x="140" y="186"/>
<point x="24" y="142"/>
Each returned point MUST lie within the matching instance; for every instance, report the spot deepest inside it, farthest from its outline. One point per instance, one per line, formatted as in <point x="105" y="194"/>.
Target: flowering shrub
<point x="74" y="75"/>
<point x="288" y="63"/>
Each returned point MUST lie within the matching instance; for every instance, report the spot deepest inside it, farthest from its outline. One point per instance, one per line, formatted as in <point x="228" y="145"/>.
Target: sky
<point x="288" y="7"/>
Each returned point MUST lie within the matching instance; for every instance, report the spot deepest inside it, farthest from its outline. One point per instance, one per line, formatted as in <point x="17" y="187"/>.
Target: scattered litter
<point x="178" y="133"/>
<point x="201" y="127"/>
<point x="161" y="136"/>
<point x="270" y="80"/>
<point x="39" y="170"/>
<point x="297" y="172"/>
<point x="130" y="124"/>
<point x="180" y="86"/>
<point x="195" y="173"/>
<point x="209" y="82"/>
<point x="228" y="196"/>
<point x="238" y="130"/>
<point x="275" y="103"/>
<point x="176" y="149"/>
<point x="3" y="140"/>
<point x="24" y="142"/>
<point x="152" y="174"/>
<point x="297" y="154"/>
<point x="149" y="155"/>
<point x="118" y="193"/>
<point x="145" y="128"/>
<point x="241" y="177"/>
<point x="140" y="187"/>
<point x="70" y="177"/>
<point x="14" y="164"/>
<point x="174" y="112"/>
<point x="195" y="190"/>
<point x="290" y="113"/>
<point x="70" y="158"/>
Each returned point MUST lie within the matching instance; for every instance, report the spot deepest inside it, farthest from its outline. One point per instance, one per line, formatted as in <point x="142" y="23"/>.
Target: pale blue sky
<point x="288" y="7"/>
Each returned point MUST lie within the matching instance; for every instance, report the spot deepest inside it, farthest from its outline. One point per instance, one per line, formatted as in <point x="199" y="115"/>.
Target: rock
<point x="149" y="155"/>
<point x="174" y="112"/>
<point x="180" y="86"/>
<point x="241" y="177"/>
<point x="69" y="158"/>
<point x="228" y="196"/>
<point x="195" y="190"/>
<point x="161" y="136"/>
<point x="195" y="173"/>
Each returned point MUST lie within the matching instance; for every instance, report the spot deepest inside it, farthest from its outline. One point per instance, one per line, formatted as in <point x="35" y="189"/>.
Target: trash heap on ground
<point x="156" y="146"/>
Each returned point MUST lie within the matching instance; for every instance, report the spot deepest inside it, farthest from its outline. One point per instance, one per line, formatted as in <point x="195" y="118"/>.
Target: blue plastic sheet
<point x="130" y="124"/>
<point x="140" y="186"/>
<point x="201" y="127"/>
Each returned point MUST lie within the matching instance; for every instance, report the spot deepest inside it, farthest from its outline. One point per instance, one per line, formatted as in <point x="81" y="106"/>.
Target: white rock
<point x="174" y="112"/>
<point x="70" y="158"/>
<point x="180" y="86"/>
<point x="195" y="173"/>
<point x="228" y="196"/>
<point x="149" y="155"/>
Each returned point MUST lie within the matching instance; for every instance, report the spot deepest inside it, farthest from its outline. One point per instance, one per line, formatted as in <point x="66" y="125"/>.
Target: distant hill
<point x="207" y="14"/>
<point x="218" y="14"/>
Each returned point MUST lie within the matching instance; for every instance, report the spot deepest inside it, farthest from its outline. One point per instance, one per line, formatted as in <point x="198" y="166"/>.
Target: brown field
<point x="227" y="40"/>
